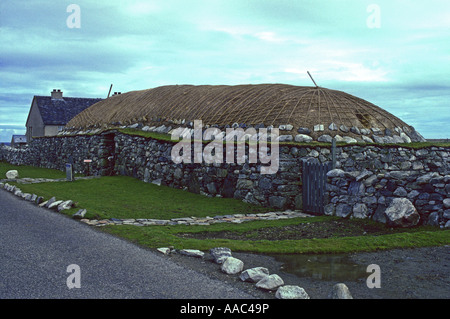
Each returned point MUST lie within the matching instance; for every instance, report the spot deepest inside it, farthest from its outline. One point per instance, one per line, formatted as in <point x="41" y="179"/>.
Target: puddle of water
<point x="322" y="267"/>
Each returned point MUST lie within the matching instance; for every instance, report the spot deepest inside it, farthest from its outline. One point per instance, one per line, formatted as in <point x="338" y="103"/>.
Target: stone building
<point x="49" y="114"/>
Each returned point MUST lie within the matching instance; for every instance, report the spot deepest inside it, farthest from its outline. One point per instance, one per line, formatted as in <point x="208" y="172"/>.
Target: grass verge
<point x="126" y="197"/>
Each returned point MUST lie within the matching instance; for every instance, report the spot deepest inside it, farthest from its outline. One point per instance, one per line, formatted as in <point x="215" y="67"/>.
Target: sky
<point x="394" y="54"/>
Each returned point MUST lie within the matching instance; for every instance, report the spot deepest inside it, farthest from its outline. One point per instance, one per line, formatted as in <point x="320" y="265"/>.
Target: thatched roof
<point x="268" y="104"/>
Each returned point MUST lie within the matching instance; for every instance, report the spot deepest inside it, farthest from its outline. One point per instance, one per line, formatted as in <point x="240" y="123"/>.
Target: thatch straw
<point x="268" y="104"/>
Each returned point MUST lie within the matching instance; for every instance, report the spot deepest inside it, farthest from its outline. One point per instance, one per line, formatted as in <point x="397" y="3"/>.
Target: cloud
<point x="139" y="44"/>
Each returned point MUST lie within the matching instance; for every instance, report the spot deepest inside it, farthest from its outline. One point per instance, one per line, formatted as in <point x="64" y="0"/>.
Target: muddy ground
<point x="419" y="273"/>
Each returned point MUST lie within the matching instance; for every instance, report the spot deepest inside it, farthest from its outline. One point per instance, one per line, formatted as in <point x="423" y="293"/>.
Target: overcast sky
<point x="395" y="54"/>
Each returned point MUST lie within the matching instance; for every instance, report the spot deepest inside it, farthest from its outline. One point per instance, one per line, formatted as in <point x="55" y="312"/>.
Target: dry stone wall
<point x="367" y="180"/>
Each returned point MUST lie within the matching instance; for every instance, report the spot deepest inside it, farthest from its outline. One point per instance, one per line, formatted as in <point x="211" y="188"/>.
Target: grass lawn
<point x="30" y="171"/>
<point x="126" y="197"/>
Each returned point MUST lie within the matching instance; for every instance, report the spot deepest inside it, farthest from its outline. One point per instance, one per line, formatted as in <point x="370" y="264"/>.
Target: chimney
<point x="57" y="94"/>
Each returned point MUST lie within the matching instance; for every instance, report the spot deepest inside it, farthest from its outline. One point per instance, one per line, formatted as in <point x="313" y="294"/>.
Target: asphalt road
<point x="38" y="245"/>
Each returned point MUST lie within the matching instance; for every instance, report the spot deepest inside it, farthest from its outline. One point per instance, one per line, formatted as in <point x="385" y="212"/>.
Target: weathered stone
<point x="401" y="213"/>
<point x="291" y="292"/>
<point x="220" y="254"/>
<point x="271" y="282"/>
<point x="254" y="274"/>
<point x="329" y="209"/>
<point x="12" y="174"/>
<point x="232" y="266"/>
<point x="303" y="138"/>
<point x="65" y="205"/>
<point x="366" y="139"/>
<point x="55" y="204"/>
<point x="285" y="138"/>
<point x="325" y="138"/>
<point x="318" y="127"/>
<point x="164" y="250"/>
<point x="355" y="130"/>
<point x="336" y="173"/>
<point x="277" y="201"/>
<point x="343" y="210"/>
<point x="344" y="128"/>
<point x="360" y="211"/>
<point x="349" y="140"/>
<point x="192" y="253"/>
<point x="49" y="202"/>
<point x="340" y="291"/>
<point x="333" y="127"/>
<point x="303" y="130"/>
<point x="400" y="192"/>
<point x="446" y="203"/>
<point x="79" y="214"/>
<point x="405" y="137"/>
<point x="244" y="184"/>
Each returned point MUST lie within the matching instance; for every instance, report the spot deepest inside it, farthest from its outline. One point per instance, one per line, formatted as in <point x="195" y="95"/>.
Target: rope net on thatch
<point x="268" y="104"/>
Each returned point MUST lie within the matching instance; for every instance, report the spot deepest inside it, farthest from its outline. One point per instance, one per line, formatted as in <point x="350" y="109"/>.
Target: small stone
<point x="65" y="205"/>
<point x="79" y="214"/>
<point x="54" y="204"/>
<point x="303" y="138"/>
<point x="164" y="250"/>
<point x="232" y="266"/>
<point x="12" y="174"/>
<point x="446" y="202"/>
<point x="318" y="127"/>
<point x="333" y="127"/>
<point x="360" y="210"/>
<point x="271" y="282"/>
<point x="366" y="139"/>
<point x="340" y="291"/>
<point x="344" y="128"/>
<point x="303" y="130"/>
<point x="192" y="253"/>
<point x="325" y="138"/>
<point x="291" y="292"/>
<point x="349" y="140"/>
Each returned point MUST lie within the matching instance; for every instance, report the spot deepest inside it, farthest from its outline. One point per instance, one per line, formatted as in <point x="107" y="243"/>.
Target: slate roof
<point x="61" y="111"/>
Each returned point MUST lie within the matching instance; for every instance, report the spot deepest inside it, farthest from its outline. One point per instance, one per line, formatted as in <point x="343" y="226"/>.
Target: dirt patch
<point x="329" y="229"/>
<point x="419" y="273"/>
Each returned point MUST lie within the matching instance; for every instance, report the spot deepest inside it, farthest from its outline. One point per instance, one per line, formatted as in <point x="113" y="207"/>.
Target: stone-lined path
<point x="236" y="218"/>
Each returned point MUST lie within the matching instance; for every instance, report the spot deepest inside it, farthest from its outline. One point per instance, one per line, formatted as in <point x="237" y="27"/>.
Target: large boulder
<point x="220" y="254"/>
<point x="401" y="213"/>
<point x="232" y="266"/>
<point x="271" y="282"/>
<point x="340" y="291"/>
<point x="291" y="292"/>
<point x="254" y="274"/>
<point x="12" y="174"/>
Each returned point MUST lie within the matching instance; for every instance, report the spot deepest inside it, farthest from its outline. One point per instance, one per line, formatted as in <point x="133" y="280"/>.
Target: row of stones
<point x="202" y="221"/>
<point x="52" y="203"/>
<point x="404" y="135"/>
<point x="258" y="275"/>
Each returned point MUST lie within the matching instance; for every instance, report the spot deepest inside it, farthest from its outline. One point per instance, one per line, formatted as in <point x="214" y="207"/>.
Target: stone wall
<point x="370" y="176"/>
<point x="368" y="181"/>
<point x="55" y="152"/>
